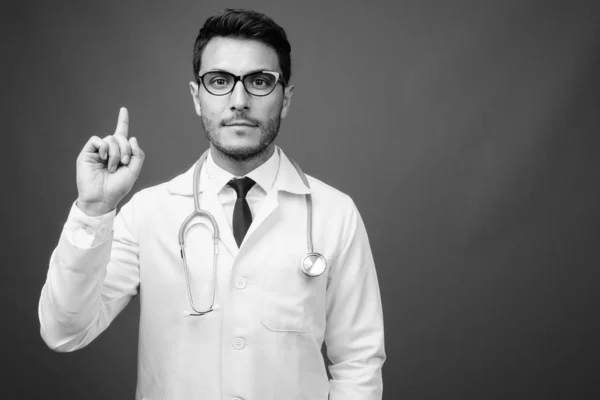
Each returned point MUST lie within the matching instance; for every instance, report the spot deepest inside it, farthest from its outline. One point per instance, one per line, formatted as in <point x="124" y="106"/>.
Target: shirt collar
<point x="264" y="175"/>
<point x="285" y="177"/>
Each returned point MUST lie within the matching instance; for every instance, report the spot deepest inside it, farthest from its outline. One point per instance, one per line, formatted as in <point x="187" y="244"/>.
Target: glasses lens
<point x="218" y="82"/>
<point x="260" y="83"/>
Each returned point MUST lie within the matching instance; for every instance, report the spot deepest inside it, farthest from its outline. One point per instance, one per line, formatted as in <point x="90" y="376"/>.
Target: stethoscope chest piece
<point x="313" y="264"/>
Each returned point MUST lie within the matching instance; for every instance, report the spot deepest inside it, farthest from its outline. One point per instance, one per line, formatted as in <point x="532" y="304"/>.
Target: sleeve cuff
<point x="85" y="231"/>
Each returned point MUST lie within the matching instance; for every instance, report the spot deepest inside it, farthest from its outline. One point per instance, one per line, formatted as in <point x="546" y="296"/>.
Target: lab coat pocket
<point x="291" y="300"/>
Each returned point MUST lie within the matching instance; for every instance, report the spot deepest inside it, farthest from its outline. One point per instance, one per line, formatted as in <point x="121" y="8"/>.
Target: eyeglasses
<point x="260" y="83"/>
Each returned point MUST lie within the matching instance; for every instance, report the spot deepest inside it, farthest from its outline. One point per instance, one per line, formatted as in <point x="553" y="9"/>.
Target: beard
<point x="268" y="133"/>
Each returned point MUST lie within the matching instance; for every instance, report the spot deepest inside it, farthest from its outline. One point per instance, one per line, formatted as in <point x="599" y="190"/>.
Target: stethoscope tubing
<point x="198" y="212"/>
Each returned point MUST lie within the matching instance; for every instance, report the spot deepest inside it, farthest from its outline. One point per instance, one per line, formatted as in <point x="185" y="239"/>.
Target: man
<point x="257" y="333"/>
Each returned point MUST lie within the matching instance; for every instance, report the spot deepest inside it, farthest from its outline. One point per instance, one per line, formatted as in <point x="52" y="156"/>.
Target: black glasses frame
<point x="240" y="78"/>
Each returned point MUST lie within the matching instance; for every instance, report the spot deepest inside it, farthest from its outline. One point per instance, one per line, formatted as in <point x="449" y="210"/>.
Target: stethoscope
<point x="312" y="264"/>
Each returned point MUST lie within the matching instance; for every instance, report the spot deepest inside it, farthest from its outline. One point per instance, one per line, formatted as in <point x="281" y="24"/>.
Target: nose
<point x="240" y="99"/>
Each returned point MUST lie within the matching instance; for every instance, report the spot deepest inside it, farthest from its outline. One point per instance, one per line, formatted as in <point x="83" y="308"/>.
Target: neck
<point x="241" y="168"/>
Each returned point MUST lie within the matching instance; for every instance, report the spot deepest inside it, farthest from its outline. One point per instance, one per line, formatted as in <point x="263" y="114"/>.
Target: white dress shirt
<point x="264" y="176"/>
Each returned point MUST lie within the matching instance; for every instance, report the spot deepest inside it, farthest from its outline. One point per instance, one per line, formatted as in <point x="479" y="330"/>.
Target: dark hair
<point x="245" y="24"/>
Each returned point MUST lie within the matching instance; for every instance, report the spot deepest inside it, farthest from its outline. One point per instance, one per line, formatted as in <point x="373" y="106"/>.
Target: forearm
<point x="93" y="274"/>
<point x="357" y="364"/>
<point x="355" y="331"/>
<point x="71" y="296"/>
<point x="340" y="390"/>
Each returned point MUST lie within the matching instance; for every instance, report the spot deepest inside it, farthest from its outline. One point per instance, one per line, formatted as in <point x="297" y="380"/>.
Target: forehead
<point x="238" y="56"/>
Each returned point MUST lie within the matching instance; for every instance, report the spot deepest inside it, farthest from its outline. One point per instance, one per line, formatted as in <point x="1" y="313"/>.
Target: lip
<point x="241" y="123"/>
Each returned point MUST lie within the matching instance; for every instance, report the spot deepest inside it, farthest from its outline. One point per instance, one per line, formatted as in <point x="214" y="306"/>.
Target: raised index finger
<point x="123" y="123"/>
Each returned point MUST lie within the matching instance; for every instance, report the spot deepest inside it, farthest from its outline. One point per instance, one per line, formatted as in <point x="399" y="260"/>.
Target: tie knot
<point x="241" y="186"/>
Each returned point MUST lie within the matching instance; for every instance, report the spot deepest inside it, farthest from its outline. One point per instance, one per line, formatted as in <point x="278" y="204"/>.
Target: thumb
<point x="137" y="157"/>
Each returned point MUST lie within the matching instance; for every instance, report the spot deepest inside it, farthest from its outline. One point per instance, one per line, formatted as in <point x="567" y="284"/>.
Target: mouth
<point x="241" y="123"/>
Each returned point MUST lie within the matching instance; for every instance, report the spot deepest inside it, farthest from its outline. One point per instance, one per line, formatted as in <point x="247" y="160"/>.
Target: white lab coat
<point x="263" y="341"/>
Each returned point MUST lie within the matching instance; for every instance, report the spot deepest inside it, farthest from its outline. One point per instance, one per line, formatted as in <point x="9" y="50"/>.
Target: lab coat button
<point x="240" y="283"/>
<point x="238" y="343"/>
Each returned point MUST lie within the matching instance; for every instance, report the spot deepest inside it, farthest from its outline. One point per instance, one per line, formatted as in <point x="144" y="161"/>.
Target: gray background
<point x="466" y="132"/>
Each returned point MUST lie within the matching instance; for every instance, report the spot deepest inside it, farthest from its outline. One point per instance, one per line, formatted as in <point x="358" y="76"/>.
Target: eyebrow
<point x="247" y="73"/>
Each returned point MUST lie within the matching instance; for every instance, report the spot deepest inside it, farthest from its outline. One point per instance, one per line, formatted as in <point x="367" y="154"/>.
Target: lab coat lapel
<point x="209" y="201"/>
<point x="269" y="205"/>
<point x="287" y="180"/>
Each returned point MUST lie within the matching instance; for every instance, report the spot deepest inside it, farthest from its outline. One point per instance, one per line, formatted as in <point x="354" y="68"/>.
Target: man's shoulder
<point x="321" y="191"/>
<point x="329" y="196"/>
<point x="322" y="188"/>
<point x="178" y="183"/>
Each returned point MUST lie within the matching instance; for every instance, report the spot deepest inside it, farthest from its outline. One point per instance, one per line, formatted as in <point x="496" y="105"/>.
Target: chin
<point x="241" y="134"/>
<point x="238" y="147"/>
<point x="241" y="142"/>
<point x="243" y="153"/>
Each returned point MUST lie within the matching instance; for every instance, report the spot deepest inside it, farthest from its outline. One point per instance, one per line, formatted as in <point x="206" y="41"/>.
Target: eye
<point x="261" y="81"/>
<point x="218" y="81"/>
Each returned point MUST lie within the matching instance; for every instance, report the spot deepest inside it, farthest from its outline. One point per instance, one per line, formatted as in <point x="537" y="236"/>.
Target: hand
<point x="107" y="169"/>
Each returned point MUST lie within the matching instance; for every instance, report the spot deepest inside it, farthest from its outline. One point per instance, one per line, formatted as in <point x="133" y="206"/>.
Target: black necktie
<point x="242" y="217"/>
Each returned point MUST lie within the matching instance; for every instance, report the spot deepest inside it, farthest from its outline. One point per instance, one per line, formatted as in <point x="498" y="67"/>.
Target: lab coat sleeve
<point x="354" y="331"/>
<point x="93" y="274"/>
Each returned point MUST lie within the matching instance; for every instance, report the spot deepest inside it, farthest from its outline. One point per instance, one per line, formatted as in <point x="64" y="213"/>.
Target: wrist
<point x="94" y="209"/>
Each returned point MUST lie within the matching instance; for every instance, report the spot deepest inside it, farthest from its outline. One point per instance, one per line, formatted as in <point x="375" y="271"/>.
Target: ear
<point x="287" y="100"/>
<point x="194" y="91"/>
